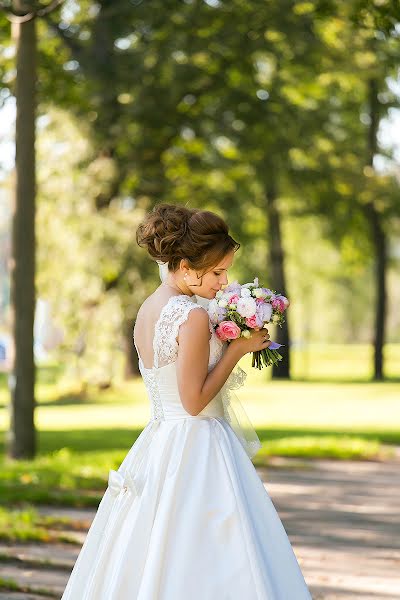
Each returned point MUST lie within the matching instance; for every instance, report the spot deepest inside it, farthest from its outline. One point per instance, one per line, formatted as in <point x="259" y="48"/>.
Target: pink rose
<point x="284" y="300"/>
<point x="278" y="304"/>
<point x="234" y="299"/>
<point x="227" y="330"/>
<point x="254" y="322"/>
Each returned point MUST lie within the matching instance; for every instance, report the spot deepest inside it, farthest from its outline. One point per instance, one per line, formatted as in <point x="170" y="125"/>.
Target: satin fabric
<point x="186" y="516"/>
<point x="198" y="525"/>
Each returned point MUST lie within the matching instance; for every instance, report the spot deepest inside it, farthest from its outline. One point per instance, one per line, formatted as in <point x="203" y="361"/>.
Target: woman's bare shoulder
<point x="151" y="304"/>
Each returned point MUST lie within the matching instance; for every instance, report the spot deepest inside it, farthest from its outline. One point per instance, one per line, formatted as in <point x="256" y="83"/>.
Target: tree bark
<point x="22" y="435"/>
<point x="277" y="271"/>
<point x="380" y="243"/>
<point x="378" y="239"/>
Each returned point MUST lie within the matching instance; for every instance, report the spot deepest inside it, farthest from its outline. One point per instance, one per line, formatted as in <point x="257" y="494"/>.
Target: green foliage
<point x="209" y="106"/>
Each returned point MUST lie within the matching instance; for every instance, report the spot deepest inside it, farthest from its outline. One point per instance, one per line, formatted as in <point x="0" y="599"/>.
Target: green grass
<point x="27" y="525"/>
<point x="340" y="362"/>
<point x="77" y="476"/>
<point x="81" y="437"/>
<point x="331" y="446"/>
<point x="9" y="585"/>
<point x="70" y="477"/>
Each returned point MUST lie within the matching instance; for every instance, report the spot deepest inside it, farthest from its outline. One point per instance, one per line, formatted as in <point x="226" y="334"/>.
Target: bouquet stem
<point x="265" y="358"/>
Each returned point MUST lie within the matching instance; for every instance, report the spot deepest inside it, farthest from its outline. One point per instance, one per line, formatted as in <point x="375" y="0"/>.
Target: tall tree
<point x="230" y="103"/>
<point x="22" y="436"/>
<point x="354" y="197"/>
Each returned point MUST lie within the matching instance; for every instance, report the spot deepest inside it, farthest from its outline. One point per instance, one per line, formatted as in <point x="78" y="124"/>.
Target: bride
<point x="186" y="515"/>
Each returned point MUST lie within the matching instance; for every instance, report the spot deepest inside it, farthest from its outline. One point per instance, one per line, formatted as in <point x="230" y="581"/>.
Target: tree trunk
<point x="22" y="437"/>
<point x="276" y="260"/>
<point x="380" y="246"/>
<point x="378" y="239"/>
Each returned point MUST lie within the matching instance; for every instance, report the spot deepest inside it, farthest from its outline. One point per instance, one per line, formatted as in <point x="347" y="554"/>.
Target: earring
<point x="185" y="275"/>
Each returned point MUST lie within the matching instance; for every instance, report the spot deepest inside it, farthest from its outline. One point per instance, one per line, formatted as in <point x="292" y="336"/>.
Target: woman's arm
<point x="196" y="386"/>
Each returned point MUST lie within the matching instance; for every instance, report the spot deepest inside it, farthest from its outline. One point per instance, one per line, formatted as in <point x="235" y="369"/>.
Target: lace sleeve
<point x="173" y="315"/>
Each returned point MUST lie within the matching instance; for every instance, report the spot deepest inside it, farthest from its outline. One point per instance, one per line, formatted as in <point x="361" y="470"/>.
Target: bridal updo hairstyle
<point x="172" y="232"/>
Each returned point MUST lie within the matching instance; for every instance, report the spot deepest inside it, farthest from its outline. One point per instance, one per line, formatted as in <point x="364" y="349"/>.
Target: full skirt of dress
<point x="186" y="516"/>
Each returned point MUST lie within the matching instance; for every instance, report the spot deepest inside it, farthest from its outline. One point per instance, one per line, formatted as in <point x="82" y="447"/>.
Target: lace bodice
<point x="173" y="314"/>
<point x="161" y="379"/>
<point x="165" y="350"/>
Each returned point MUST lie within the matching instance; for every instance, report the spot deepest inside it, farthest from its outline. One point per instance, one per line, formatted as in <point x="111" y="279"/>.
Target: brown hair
<point x="171" y="233"/>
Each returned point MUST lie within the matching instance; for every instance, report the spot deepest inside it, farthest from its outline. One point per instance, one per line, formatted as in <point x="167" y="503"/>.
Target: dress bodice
<point x="161" y="379"/>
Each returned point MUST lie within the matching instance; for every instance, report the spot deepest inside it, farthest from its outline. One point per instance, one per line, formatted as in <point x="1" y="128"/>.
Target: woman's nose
<point x="224" y="280"/>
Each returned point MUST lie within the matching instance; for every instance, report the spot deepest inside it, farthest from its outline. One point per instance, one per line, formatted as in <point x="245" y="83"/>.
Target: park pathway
<point x="343" y="521"/>
<point x="341" y="517"/>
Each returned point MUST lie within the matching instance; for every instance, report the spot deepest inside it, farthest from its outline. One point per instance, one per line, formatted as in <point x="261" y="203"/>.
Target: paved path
<point x="343" y="521"/>
<point x="341" y="517"/>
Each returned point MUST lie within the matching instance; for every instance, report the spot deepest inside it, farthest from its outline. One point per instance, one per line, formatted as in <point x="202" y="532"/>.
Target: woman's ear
<point x="184" y="266"/>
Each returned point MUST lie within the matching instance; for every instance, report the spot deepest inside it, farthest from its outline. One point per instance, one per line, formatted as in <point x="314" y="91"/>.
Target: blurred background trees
<point x="275" y="114"/>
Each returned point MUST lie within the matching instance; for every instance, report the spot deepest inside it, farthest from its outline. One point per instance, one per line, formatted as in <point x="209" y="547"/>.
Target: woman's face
<point x="213" y="280"/>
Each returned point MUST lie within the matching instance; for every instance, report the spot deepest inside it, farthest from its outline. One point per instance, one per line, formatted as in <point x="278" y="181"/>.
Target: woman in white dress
<point x="186" y="516"/>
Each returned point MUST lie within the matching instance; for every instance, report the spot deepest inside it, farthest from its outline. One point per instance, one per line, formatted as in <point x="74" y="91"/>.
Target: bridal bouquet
<point x="239" y="308"/>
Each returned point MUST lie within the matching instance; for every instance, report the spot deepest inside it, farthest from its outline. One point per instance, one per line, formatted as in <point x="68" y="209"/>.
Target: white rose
<point x="246" y="307"/>
<point x="219" y="294"/>
<point x="245" y="292"/>
<point x="256" y="281"/>
<point x="246" y="333"/>
<point x="258" y="293"/>
<point x="222" y="303"/>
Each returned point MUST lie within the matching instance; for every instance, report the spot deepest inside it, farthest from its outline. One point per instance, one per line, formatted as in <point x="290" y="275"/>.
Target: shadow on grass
<point x="385" y="437"/>
<point x="83" y="440"/>
<point x="93" y="440"/>
<point x="71" y="467"/>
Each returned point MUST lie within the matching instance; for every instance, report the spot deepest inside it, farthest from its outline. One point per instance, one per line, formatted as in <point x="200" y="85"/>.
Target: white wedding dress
<point x="186" y="516"/>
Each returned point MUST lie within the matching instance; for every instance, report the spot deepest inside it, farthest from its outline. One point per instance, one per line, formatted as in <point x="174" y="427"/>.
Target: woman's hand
<point x="258" y="340"/>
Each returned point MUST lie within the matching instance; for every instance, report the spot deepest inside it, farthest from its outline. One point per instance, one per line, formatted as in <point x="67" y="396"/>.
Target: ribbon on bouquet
<point x="275" y="346"/>
<point x="236" y="415"/>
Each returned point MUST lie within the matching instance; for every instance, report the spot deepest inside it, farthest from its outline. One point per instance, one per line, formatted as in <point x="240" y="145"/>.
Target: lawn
<point x="82" y="437"/>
